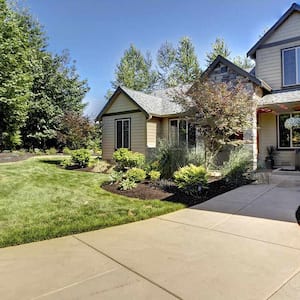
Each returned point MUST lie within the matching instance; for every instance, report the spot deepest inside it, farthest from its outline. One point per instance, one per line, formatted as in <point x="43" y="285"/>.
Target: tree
<point x="56" y="90"/>
<point x="219" y="47"/>
<point x="15" y="77"/>
<point x="220" y="112"/>
<point x="75" y="131"/>
<point x="36" y="87"/>
<point x="177" y="66"/>
<point x="165" y="58"/>
<point x="134" y="71"/>
<point x="186" y="68"/>
<point x="243" y="62"/>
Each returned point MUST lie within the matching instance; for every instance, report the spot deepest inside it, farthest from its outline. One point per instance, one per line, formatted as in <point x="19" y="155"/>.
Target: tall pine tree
<point x="219" y="47"/>
<point x="134" y="71"/>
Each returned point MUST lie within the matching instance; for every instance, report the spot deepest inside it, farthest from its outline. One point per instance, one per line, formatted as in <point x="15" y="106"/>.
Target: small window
<point x="122" y="133"/>
<point x="291" y="66"/>
<point x="224" y="69"/>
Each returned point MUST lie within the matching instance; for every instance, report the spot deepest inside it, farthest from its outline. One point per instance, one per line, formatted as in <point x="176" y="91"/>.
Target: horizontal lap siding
<point x="268" y="60"/>
<point x="268" y="137"/>
<point x="138" y="133"/>
<point x="268" y="64"/>
<point x="153" y="132"/>
<point x="289" y="29"/>
<point x="165" y="129"/>
<point x="122" y="103"/>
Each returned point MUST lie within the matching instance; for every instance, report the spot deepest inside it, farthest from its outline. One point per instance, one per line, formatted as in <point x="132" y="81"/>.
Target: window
<point x="224" y="69"/>
<point x="182" y="133"/>
<point x="288" y="138"/>
<point x="122" y="133"/>
<point x="291" y="66"/>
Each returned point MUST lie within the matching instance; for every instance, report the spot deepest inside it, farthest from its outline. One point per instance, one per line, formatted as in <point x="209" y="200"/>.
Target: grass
<point x="39" y="200"/>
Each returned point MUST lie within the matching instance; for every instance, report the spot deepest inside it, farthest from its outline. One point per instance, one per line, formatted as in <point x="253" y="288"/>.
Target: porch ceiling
<point x="280" y="102"/>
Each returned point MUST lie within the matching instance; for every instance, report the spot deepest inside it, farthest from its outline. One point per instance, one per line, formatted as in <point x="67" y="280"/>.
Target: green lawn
<point x="39" y="200"/>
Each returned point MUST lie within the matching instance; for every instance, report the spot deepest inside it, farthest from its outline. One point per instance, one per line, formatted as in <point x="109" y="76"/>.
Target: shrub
<point x="135" y="174"/>
<point x="81" y="157"/>
<point x="240" y="162"/>
<point x="100" y="166"/>
<point x="67" y="151"/>
<point x="191" y="179"/>
<point x="169" y="159"/>
<point x="65" y="163"/>
<point x="154" y="175"/>
<point x="127" y="184"/>
<point x="116" y="176"/>
<point x="125" y="159"/>
<point x="51" y="151"/>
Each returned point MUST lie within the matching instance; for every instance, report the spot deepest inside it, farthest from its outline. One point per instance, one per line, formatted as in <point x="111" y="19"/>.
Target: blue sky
<point x="98" y="31"/>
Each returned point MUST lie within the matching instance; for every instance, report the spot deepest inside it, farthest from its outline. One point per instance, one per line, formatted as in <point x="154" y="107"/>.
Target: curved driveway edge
<point x="244" y="244"/>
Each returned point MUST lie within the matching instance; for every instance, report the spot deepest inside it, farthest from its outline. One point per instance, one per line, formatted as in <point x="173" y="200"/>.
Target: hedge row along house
<point x="137" y="121"/>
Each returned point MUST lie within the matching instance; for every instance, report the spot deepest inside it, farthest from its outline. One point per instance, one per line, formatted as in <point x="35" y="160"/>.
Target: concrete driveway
<point x="244" y="244"/>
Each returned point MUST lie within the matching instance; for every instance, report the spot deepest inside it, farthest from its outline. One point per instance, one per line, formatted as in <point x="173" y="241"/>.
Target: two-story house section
<point x="277" y="57"/>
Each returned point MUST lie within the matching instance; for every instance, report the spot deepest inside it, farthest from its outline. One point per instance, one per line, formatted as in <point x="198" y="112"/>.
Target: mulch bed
<point x="148" y="191"/>
<point x="13" y="157"/>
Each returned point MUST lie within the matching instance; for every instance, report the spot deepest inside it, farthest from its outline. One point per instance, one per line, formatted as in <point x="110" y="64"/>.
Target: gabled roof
<point x="159" y="103"/>
<point x="237" y="69"/>
<point x="294" y="7"/>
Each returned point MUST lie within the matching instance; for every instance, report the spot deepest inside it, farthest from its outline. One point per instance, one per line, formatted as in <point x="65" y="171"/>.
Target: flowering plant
<point x="292" y="123"/>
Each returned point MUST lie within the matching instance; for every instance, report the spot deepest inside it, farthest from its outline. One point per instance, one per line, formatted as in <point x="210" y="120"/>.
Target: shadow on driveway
<point x="260" y="201"/>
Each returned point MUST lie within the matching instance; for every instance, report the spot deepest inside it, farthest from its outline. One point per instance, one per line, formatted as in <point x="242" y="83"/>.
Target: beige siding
<point x="153" y="132"/>
<point x="289" y="29"/>
<point x="165" y="128"/>
<point x="137" y="133"/>
<point x="121" y="103"/>
<point x="268" y="64"/>
<point x="268" y="136"/>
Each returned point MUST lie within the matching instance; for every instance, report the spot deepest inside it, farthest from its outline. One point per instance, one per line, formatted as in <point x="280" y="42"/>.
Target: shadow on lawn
<point x="51" y="161"/>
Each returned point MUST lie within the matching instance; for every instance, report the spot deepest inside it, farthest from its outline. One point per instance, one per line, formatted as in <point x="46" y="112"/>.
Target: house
<point x="137" y="120"/>
<point x="277" y="58"/>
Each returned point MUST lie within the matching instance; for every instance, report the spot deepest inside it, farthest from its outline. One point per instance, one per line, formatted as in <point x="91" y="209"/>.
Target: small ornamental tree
<point x="220" y="111"/>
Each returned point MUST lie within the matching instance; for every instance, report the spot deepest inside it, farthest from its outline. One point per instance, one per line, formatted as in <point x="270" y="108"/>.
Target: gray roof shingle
<point x="159" y="103"/>
<point x="284" y="97"/>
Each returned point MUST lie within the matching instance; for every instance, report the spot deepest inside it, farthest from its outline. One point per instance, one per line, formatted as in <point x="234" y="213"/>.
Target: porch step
<point x="281" y="178"/>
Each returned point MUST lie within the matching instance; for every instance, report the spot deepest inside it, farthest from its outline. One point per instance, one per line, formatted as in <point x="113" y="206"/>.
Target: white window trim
<point x="116" y="132"/>
<point x="296" y="61"/>
<point x="291" y="130"/>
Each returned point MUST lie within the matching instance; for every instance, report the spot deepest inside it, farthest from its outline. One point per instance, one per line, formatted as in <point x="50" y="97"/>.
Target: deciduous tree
<point x="220" y="111"/>
<point x="15" y="77"/>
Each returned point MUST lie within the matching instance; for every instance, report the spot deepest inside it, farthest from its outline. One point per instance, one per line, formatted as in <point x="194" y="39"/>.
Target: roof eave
<point x="221" y="59"/>
<point x="252" y="52"/>
<point x="115" y="94"/>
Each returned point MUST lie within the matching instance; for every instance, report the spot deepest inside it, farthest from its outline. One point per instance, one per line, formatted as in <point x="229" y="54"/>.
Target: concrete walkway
<point x="244" y="244"/>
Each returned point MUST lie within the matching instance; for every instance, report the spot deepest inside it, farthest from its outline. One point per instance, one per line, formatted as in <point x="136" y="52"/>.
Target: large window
<point x="291" y="66"/>
<point x="122" y="133"/>
<point x="182" y="133"/>
<point x="288" y="138"/>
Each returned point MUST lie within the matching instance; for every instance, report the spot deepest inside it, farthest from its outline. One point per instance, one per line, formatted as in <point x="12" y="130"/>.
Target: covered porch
<point x="272" y="112"/>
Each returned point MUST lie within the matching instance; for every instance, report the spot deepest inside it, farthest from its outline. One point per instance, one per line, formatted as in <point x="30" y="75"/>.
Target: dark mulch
<point x="13" y="157"/>
<point x="148" y="191"/>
